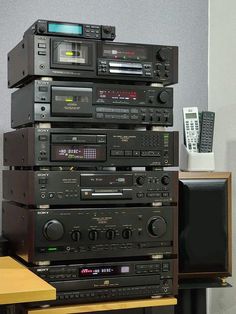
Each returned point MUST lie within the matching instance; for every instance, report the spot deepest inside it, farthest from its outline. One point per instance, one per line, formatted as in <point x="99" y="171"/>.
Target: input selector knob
<point x="163" y="54"/>
<point x="75" y="235"/>
<point x="93" y="235"/>
<point x="53" y="230"/>
<point x="165" y="180"/>
<point x="42" y="29"/>
<point x="163" y="96"/>
<point x="127" y="233"/>
<point x="140" y="180"/>
<point x="110" y="234"/>
<point x="157" y="226"/>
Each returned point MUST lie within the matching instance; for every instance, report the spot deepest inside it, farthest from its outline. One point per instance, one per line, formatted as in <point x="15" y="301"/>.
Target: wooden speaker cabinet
<point x="205" y="232"/>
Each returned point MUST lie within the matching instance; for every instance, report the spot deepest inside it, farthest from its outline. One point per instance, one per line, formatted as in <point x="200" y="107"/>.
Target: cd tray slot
<point x="106" y="194"/>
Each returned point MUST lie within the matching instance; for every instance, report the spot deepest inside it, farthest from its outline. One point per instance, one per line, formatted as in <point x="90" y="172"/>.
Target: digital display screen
<point x="77" y="152"/>
<point x="117" y="94"/>
<point x="70" y="52"/>
<point x="74" y="29"/>
<point x="124" y="52"/>
<point x="103" y="271"/>
<point x="192" y="115"/>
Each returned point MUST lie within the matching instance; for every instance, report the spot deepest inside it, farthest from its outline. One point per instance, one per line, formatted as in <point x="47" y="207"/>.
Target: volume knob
<point x="157" y="226"/>
<point x="163" y="54"/>
<point x="163" y="96"/>
<point x="42" y="29"/>
<point x="53" y="230"/>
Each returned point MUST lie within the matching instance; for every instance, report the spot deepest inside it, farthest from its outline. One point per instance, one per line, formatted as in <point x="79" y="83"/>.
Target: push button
<point x="43" y="88"/>
<point x="41" y="45"/>
<point x="42" y="53"/>
<point x="43" y="138"/>
<point x="117" y="153"/>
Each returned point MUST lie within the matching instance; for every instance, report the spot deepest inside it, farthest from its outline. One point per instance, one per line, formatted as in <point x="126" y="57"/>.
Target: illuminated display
<point x="70" y="52"/>
<point x="103" y="271"/>
<point x="124" y="52"/>
<point x="77" y="152"/>
<point x="65" y="28"/>
<point x="117" y="94"/>
<point x="70" y="99"/>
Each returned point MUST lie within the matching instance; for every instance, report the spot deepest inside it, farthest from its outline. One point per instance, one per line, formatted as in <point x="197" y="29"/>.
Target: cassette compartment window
<point x="72" y="54"/>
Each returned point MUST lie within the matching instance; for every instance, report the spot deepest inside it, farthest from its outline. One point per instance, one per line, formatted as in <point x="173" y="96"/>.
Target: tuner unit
<point x="90" y="233"/>
<point x="77" y="59"/>
<point x="100" y="187"/>
<point x="90" y="148"/>
<point x="63" y="102"/>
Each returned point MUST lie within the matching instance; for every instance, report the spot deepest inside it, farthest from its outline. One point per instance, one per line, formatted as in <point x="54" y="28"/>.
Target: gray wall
<point x="222" y="100"/>
<point x="183" y="23"/>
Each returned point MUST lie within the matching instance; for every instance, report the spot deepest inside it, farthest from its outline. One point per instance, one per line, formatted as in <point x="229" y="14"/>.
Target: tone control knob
<point x="53" y="230"/>
<point x="93" y="235"/>
<point x="140" y="180"/>
<point x="75" y="235"/>
<point x="127" y="233"/>
<point x="163" y="97"/>
<point x="163" y="54"/>
<point x="165" y="180"/>
<point x="157" y="226"/>
<point x="110" y="234"/>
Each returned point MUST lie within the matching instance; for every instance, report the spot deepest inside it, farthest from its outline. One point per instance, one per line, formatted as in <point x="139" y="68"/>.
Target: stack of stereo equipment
<point x="90" y="207"/>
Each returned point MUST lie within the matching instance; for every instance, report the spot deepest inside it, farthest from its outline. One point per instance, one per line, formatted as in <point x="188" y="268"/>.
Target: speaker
<point x="205" y="224"/>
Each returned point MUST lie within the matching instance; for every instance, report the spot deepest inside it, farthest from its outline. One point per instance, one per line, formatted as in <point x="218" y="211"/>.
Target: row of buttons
<point x="108" y="293"/>
<point x="159" y="118"/>
<point x="135" y="153"/>
<point x="153" y="194"/>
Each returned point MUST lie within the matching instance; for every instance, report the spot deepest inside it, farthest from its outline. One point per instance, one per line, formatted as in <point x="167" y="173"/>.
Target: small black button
<point x="42" y="53"/>
<point x="42" y="181"/>
<point x="42" y="137"/>
<point x="41" y="45"/>
<point x="43" y="88"/>
<point x="128" y="152"/>
<point x="136" y="153"/>
<point x="117" y="153"/>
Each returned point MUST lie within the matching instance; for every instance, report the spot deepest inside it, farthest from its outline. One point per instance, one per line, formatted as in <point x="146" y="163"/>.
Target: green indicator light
<point x="69" y="99"/>
<point x="52" y="249"/>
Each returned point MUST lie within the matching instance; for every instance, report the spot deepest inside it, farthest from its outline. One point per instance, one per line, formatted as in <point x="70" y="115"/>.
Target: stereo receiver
<point x="71" y="58"/>
<point x="78" y="283"/>
<point x="87" y="31"/>
<point x="63" y="102"/>
<point x="94" y="147"/>
<point x="76" y="187"/>
<point x="90" y="233"/>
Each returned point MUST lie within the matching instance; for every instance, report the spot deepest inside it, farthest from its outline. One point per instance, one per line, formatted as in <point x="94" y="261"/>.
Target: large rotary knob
<point x="163" y="54"/>
<point x="53" y="230"/>
<point x="163" y="96"/>
<point x="157" y="226"/>
<point x="140" y="180"/>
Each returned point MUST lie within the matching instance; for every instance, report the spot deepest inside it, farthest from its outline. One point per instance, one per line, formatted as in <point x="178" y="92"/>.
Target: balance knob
<point x="157" y="226"/>
<point x="93" y="235"/>
<point x="75" y="236"/>
<point x="140" y="180"/>
<point x="165" y="180"/>
<point x="53" y="230"/>
<point x="163" y="97"/>
<point x="110" y="234"/>
<point x="163" y="54"/>
<point x="127" y="233"/>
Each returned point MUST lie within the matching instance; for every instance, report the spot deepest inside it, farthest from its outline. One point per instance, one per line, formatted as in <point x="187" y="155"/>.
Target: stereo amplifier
<point x="90" y="233"/>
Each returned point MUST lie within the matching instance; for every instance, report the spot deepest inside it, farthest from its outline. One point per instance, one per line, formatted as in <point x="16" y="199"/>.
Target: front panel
<point x="76" y="59"/>
<point x="79" y="102"/>
<point x="83" y="148"/>
<point x="78" y="283"/>
<point x="91" y="233"/>
<point x="76" y="187"/>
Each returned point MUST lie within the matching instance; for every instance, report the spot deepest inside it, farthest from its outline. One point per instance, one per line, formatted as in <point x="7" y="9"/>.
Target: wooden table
<point x="18" y="284"/>
<point x="105" y="306"/>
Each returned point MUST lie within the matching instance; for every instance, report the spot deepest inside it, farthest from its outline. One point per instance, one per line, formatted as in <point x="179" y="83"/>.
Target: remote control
<point x="191" y="128"/>
<point x="207" y="132"/>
